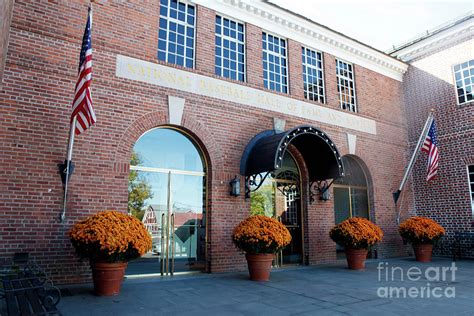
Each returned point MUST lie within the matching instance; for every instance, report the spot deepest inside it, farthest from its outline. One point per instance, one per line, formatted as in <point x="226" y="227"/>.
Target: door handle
<point x="172" y="244"/>
<point x="162" y="241"/>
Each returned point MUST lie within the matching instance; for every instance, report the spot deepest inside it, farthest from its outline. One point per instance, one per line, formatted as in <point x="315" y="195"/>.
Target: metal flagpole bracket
<point x="63" y="170"/>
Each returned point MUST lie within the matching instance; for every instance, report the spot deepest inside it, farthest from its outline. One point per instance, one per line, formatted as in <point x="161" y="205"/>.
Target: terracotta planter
<point x="356" y="258"/>
<point x="423" y="252"/>
<point x="259" y="266"/>
<point x="107" y="277"/>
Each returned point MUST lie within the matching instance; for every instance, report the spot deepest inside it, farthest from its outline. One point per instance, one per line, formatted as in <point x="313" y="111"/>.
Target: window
<point x="464" y="77"/>
<point x="275" y="75"/>
<point x="313" y="75"/>
<point x="176" y="35"/>
<point x="345" y="85"/>
<point x="230" y="49"/>
<point x="351" y="192"/>
<point x="470" y="174"/>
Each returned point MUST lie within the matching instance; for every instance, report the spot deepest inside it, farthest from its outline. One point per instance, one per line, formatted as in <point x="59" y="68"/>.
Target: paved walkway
<point x="316" y="290"/>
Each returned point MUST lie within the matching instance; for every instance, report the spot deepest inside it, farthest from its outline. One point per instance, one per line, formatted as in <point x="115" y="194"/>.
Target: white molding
<point x="445" y="38"/>
<point x="175" y="110"/>
<point x="288" y="25"/>
<point x="351" y="143"/>
<point x="181" y="80"/>
<point x="279" y="124"/>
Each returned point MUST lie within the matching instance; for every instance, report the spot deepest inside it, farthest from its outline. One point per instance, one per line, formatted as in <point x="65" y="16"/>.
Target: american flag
<point x="430" y="146"/>
<point x="82" y="104"/>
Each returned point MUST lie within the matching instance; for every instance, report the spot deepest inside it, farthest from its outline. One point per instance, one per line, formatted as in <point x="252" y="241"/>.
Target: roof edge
<point x="271" y="17"/>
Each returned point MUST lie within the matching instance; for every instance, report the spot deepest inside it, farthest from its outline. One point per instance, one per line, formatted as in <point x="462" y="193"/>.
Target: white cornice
<point x="445" y="38"/>
<point x="286" y="24"/>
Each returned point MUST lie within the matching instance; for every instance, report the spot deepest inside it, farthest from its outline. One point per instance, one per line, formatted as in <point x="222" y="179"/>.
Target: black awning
<point x="265" y="152"/>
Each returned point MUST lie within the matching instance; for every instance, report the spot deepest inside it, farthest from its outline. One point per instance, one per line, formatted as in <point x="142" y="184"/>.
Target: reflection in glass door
<point x="279" y="197"/>
<point x="350" y="195"/>
<point x="167" y="192"/>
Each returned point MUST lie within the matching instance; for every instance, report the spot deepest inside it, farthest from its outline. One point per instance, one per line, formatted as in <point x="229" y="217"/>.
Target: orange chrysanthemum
<point x="261" y="234"/>
<point x="421" y="230"/>
<point x="110" y="236"/>
<point x="356" y="232"/>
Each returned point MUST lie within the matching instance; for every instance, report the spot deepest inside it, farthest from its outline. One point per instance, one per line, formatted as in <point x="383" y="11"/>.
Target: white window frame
<point x="185" y="24"/>
<point x="463" y="84"/>
<point x="305" y="64"/>
<point x="471" y="192"/>
<point x="278" y="55"/>
<point x="236" y="41"/>
<point x="352" y="107"/>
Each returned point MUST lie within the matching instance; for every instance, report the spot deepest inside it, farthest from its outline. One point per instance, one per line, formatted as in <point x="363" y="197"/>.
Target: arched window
<point x="167" y="191"/>
<point x="351" y="196"/>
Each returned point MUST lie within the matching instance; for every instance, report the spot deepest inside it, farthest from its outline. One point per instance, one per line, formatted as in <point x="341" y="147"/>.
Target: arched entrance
<point x="279" y="196"/>
<point x="351" y="194"/>
<point x="270" y="170"/>
<point x="167" y="191"/>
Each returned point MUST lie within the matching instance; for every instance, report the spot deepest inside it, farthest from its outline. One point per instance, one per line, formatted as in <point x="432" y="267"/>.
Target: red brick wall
<point x="428" y="84"/>
<point x="34" y="110"/>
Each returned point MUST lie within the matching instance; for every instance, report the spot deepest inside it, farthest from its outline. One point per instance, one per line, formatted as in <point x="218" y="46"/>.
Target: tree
<point x="139" y="190"/>
<point x="257" y="203"/>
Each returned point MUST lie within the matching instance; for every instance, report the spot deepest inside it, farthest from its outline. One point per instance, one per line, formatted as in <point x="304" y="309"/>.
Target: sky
<point x="381" y="23"/>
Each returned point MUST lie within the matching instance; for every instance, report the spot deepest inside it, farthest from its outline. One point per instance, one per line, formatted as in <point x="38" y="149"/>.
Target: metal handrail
<point x="173" y="245"/>
<point x="162" y="253"/>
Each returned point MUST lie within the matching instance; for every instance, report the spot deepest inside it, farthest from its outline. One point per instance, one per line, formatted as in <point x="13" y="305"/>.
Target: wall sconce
<point x="235" y="186"/>
<point x="320" y="188"/>
<point x="324" y="191"/>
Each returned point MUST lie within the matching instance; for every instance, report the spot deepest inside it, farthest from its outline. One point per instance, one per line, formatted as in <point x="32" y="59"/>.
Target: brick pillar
<point x="254" y="55"/>
<point x="295" y="69"/>
<point x="330" y="81"/>
<point x="320" y="220"/>
<point x="205" y="33"/>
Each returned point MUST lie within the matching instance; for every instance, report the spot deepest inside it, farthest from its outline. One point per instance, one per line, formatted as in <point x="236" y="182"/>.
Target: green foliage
<point x="257" y="203"/>
<point x="139" y="190"/>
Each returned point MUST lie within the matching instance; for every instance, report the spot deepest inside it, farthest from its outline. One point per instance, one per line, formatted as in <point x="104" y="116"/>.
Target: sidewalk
<point x="321" y="290"/>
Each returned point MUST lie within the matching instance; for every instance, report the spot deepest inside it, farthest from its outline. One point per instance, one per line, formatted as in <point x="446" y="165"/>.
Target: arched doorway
<point x="167" y="191"/>
<point x="266" y="160"/>
<point x="351" y="193"/>
<point x="279" y="196"/>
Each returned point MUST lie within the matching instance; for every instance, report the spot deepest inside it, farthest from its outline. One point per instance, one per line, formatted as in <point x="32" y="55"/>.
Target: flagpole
<point x="68" y="166"/>
<point x="72" y="132"/>
<point x="421" y="140"/>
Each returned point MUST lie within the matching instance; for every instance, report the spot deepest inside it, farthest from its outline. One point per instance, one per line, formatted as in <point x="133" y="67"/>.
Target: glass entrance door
<point x="167" y="192"/>
<point x="183" y="230"/>
<point x="279" y="197"/>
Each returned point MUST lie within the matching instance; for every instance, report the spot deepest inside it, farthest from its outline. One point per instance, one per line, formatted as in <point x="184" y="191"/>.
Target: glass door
<point x="184" y="226"/>
<point x="279" y="197"/>
<point x="167" y="192"/>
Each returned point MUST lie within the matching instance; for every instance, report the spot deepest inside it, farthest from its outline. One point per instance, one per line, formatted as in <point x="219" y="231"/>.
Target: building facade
<point x="190" y="95"/>
<point x="440" y="79"/>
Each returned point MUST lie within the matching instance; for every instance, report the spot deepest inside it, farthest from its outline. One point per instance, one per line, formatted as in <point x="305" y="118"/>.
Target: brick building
<point x="200" y="93"/>
<point x="440" y="76"/>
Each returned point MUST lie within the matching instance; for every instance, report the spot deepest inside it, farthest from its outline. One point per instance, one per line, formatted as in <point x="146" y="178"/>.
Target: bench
<point x="463" y="242"/>
<point x="26" y="289"/>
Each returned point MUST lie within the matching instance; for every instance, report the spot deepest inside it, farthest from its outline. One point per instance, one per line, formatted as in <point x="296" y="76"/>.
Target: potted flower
<point x="260" y="237"/>
<point x="422" y="233"/>
<point x="356" y="235"/>
<point x="109" y="239"/>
